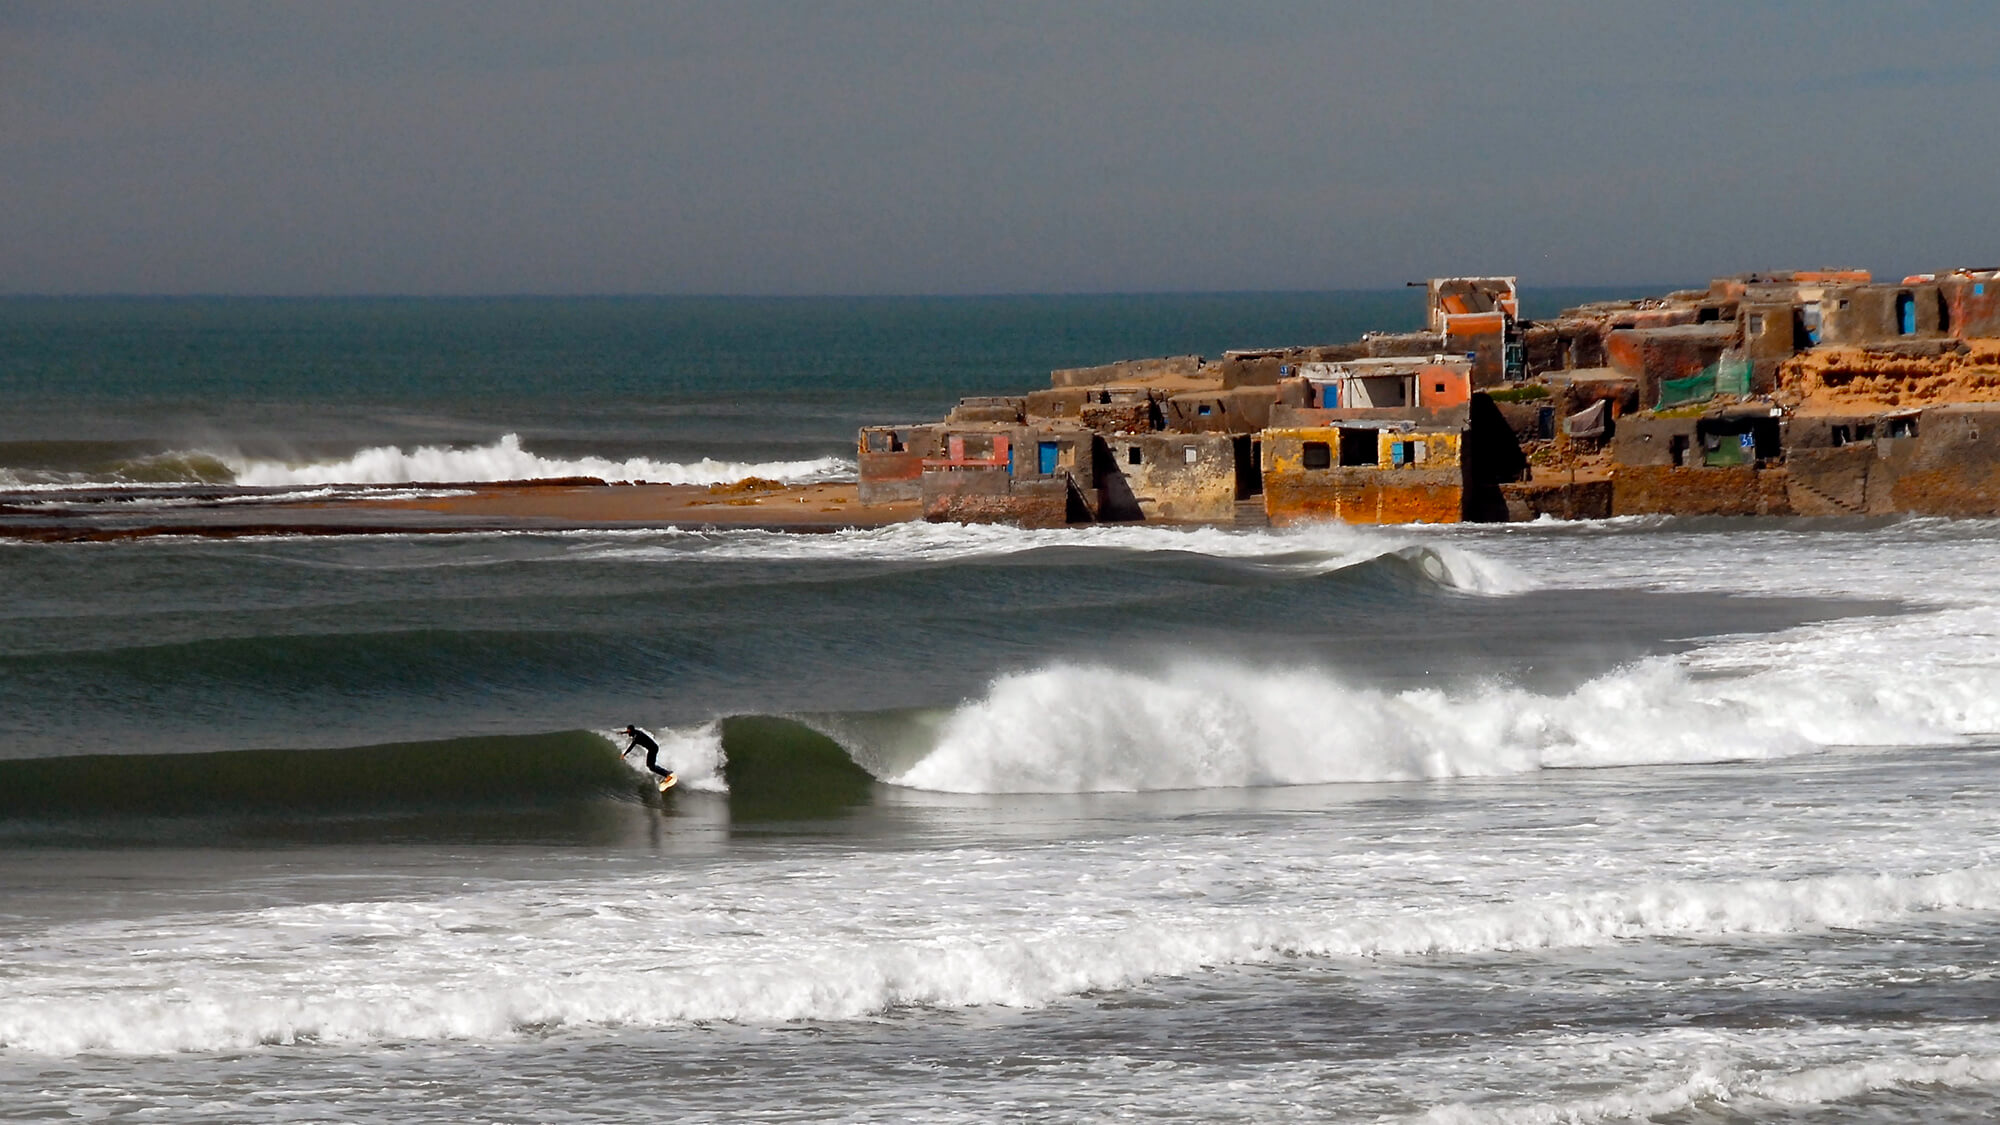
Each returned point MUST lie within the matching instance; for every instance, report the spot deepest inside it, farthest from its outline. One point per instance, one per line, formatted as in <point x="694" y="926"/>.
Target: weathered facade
<point x="1360" y="473"/>
<point x="890" y="462"/>
<point x="1169" y="477"/>
<point x="1810" y="392"/>
<point x="1035" y="476"/>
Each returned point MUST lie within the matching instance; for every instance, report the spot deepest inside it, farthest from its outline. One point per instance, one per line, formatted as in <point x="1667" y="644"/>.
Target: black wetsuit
<point x="641" y="738"/>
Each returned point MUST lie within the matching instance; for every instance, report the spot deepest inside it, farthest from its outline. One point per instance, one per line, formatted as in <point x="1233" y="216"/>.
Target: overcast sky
<point x="330" y="147"/>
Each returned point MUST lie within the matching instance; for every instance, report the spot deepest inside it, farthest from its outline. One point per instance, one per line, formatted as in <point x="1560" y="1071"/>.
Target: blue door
<point x="1046" y="457"/>
<point x="1906" y="314"/>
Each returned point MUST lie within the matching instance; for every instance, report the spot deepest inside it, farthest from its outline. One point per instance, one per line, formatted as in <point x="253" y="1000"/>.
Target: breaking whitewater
<point x="72" y="466"/>
<point x="1642" y="820"/>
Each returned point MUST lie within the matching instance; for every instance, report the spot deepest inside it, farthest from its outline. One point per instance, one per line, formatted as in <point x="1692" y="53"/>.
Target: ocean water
<point x="1643" y="820"/>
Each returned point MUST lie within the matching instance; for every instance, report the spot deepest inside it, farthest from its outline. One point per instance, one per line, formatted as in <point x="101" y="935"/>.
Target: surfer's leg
<point x="653" y="763"/>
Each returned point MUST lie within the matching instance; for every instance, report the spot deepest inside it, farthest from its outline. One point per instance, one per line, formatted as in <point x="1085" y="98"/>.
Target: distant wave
<point x="1325" y="548"/>
<point x="506" y="460"/>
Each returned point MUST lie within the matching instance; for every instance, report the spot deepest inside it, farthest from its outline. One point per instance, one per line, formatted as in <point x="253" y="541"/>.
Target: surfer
<point x="641" y="738"/>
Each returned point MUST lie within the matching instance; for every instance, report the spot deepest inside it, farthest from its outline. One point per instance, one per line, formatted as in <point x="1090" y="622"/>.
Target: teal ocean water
<point x="1682" y="821"/>
<point x="152" y="390"/>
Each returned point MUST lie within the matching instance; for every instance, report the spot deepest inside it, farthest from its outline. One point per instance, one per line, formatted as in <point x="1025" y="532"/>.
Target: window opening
<point x="1358" y="447"/>
<point x="1318" y="455"/>
<point x="1133" y="456"/>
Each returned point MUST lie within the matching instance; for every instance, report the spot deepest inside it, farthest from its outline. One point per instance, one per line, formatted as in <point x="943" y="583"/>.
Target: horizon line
<point x="136" y="295"/>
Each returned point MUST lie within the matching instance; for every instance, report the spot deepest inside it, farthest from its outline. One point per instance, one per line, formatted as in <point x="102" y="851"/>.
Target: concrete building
<point x="1816" y="392"/>
<point x="1364" y="472"/>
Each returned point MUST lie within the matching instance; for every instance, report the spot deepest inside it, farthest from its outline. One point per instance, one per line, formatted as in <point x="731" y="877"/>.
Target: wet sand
<point x="514" y="506"/>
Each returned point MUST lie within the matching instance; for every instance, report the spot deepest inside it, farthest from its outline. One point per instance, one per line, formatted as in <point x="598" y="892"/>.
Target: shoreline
<point x="93" y="515"/>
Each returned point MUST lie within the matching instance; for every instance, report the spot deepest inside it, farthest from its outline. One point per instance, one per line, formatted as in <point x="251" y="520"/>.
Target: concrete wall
<point x="1829" y="481"/>
<point x="1829" y="431"/>
<point x="1972" y="305"/>
<point x="1638" y="490"/>
<point x="975" y="480"/>
<point x="1127" y="416"/>
<point x="991" y="496"/>
<point x="1431" y="491"/>
<point x="1835" y="465"/>
<point x="1862" y="314"/>
<point x="1127" y="371"/>
<point x="1251" y="371"/>
<point x="890" y="462"/>
<point x="1443" y="386"/>
<point x="1169" y="477"/>
<point x="1650" y="355"/>
<point x="1951" y="467"/>
<point x="1648" y="441"/>
<point x="1485" y="341"/>
<point x="1012" y="408"/>
<point x="1242" y="411"/>
<point x="1557" y="499"/>
<point x="1057" y="402"/>
<point x="1577" y="342"/>
<point x="1771" y="335"/>
<point x="1364" y="496"/>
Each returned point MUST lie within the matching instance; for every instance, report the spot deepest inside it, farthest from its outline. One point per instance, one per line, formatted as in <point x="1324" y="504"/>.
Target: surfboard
<point x="667" y="782"/>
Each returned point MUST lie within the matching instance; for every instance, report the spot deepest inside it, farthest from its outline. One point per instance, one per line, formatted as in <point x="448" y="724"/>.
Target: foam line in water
<point x="389" y="971"/>
<point x="1744" y="1091"/>
<point x="506" y="459"/>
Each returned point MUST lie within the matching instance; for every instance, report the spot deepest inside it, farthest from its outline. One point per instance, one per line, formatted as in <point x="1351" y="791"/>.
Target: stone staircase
<point x="1828" y="499"/>
<point x="1250" y="513"/>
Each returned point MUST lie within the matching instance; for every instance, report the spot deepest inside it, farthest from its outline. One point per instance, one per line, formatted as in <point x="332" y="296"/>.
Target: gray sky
<point x="826" y="147"/>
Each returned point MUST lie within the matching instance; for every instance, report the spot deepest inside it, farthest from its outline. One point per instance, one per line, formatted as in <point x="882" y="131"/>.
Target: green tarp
<point x="1729" y="375"/>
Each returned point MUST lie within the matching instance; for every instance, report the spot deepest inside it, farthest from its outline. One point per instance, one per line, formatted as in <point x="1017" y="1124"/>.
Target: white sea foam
<point x="1745" y="1091"/>
<point x="693" y="753"/>
<point x="496" y="969"/>
<point x="1081" y="728"/>
<point x="506" y="460"/>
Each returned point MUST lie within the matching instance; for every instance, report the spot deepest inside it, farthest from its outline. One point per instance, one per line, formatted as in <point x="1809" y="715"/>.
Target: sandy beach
<point x="511" y="506"/>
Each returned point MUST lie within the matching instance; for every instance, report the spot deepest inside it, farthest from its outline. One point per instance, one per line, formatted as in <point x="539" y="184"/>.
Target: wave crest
<point x="1093" y="728"/>
<point x="507" y="460"/>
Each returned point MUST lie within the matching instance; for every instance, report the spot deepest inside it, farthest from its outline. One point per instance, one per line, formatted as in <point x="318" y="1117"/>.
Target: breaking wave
<point x="435" y="972"/>
<point x="502" y="460"/>
<point x="506" y="460"/>
<point x="1085" y="728"/>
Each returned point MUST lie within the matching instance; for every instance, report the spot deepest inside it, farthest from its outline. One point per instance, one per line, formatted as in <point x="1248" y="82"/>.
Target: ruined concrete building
<point x="1809" y="392"/>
